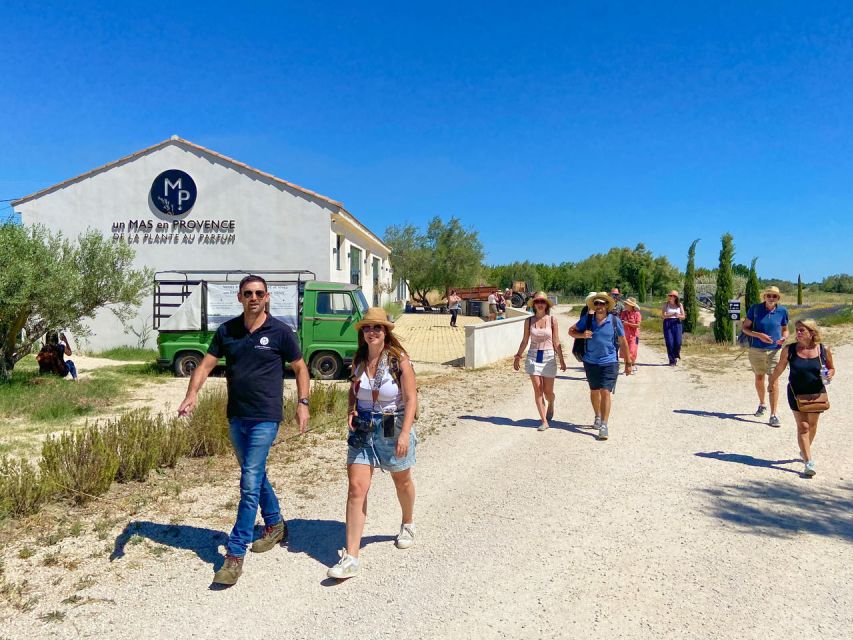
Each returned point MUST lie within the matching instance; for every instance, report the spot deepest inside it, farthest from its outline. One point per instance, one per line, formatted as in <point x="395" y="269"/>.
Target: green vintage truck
<point x="190" y="305"/>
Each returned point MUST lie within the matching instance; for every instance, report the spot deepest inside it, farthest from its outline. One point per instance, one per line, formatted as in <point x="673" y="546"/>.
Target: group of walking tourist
<point x="382" y="399"/>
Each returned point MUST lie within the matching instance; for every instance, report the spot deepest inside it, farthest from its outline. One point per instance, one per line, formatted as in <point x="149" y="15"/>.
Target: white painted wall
<point x="277" y="227"/>
<point x="493" y="341"/>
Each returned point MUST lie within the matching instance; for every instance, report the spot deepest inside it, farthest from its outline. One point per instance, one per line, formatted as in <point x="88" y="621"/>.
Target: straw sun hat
<point x="632" y="302"/>
<point x="374" y="315"/>
<point x="540" y="295"/>
<point x="601" y="295"/>
<point x="771" y="290"/>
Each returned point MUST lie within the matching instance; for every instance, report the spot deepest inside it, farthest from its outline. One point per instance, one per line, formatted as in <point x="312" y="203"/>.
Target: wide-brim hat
<point x="374" y="315"/>
<point x="771" y="290"/>
<point x="632" y="302"/>
<point x="601" y="295"/>
<point x="540" y="295"/>
<point x="673" y="293"/>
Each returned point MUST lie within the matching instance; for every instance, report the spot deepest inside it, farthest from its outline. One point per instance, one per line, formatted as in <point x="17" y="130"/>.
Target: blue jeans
<point x="71" y="369"/>
<point x="252" y="440"/>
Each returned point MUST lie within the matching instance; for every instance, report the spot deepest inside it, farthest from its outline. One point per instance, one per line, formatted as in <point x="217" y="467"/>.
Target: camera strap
<point x="378" y="376"/>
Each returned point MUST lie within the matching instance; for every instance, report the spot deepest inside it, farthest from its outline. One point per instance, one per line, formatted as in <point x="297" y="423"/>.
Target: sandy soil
<point x="692" y="521"/>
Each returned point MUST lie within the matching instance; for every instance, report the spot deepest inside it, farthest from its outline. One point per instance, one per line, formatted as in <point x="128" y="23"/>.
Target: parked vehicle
<point x="190" y="305"/>
<point x="705" y="300"/>
<point x="521" y="293"/>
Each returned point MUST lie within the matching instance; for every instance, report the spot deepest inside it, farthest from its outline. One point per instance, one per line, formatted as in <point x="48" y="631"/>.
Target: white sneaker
<point x="346" y="568"/>
<point x="596" y="424"/>
<point x="543" y="426"/>
<point x="809" y="471"/>
<point x="406" y="538"/>
<point x="602" y="431"/>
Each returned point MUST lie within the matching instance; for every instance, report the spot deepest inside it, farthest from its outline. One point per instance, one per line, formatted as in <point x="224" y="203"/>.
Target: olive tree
<point x="48" y="281"/>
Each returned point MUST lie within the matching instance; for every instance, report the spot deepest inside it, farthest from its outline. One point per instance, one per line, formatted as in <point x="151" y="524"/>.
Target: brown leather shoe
<point x="273" y="535"/>
<point x="230" y="571"/>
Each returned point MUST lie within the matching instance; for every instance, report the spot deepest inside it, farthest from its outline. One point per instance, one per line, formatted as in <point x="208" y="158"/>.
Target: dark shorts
<point x="601" y="376"/>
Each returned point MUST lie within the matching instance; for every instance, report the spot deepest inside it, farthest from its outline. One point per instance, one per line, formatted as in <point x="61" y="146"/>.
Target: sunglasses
<point x="772" y="296"/>
<point x="376" y="328"/>
<point x="539" y="302"/>
<point x="258" y="294"/>
<point x="595" y="303"/>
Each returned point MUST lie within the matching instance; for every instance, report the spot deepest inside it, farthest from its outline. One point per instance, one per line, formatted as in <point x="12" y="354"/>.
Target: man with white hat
<point x="766" y="325"/>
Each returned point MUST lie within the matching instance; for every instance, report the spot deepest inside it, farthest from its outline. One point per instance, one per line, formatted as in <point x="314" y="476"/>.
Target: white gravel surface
<point x="685" y="524"/>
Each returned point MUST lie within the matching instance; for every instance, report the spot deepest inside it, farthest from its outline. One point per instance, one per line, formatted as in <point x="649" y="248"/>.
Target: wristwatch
<point x="303" y="401"/>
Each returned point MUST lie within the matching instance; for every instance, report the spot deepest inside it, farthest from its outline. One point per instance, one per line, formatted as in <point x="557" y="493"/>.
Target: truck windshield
<point x="361" y="301"/>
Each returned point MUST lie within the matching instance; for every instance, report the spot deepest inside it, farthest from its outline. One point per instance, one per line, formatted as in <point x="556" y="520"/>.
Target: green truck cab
<point x="190" y="305"/>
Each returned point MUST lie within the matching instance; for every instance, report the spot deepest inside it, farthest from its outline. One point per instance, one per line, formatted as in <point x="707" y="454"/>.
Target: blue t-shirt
<point x="600" y="348"/>
<point x="254" y="366"/>
<point x="769" y="321"/>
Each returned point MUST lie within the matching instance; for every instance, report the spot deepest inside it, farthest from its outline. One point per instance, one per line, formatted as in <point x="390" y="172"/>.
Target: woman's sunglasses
<point x="376" y="328"/>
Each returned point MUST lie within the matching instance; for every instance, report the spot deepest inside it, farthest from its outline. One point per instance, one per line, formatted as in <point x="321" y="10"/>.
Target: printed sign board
<point x="222" y="303"/>
<point x="734" y="309"/>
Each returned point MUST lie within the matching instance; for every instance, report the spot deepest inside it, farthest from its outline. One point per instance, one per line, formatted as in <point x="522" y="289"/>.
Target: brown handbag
<point x="812" y="402"/>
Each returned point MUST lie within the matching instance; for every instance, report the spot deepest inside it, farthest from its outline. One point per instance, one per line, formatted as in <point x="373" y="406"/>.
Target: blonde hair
<point x="811" y="325"/>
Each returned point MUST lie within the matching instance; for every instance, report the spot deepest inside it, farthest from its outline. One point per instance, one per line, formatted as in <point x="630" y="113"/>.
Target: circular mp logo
<point x="173" y="193"/>
<point x="265" y="341"/>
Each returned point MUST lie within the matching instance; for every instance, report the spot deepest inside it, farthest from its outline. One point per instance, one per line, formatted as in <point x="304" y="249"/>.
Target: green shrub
<point x="207" y="427"/>
<point x="136" y="438"/>
<point x="174" y="442"/>
<point x="80" y="464"/>
<point x="22" y="491"/>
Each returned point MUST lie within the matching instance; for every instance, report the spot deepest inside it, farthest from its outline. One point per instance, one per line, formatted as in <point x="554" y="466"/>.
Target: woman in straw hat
<point x="766" y="324"/>
<point x="673" y="313"/>
<point x="631" y="319"/>
<point x="812" y="368"/>
<point x="543" y="337"/>
<point x="382" y="405"/>
<point x="603" y="334"/>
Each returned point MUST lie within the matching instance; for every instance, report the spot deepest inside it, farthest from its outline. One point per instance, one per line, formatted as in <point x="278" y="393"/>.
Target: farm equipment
<point x="521" y="293"/>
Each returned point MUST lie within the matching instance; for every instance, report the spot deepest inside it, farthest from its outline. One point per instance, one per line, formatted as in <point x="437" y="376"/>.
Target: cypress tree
<point x="691" y="306"/>
<point x="753" y="289"/>
<point x="799" y="290"/>
<point x="725" y="290"/>
<point x="642" y="285"/>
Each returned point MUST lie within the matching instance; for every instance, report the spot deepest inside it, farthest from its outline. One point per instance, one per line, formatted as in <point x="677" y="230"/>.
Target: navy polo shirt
<point x="769" y="321"/>
<point x="254" y="366"/>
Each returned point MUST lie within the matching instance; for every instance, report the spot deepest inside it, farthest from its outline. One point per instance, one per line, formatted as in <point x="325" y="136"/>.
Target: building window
<point x="339" y="239"/>
<point x="355" y="266"/>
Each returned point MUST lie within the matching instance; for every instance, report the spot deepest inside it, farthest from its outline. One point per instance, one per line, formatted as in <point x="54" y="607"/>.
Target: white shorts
<point x="547" y="368"/>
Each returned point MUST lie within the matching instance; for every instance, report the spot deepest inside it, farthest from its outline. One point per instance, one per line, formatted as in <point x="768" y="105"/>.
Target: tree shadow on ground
<point x="203" y="542"/>
<point x="785" y="510"/>
<point x="530" y="423"/>
<point x="740" y="417"/>
<point x="750" y="461"/>
<point x="321" y="539"/>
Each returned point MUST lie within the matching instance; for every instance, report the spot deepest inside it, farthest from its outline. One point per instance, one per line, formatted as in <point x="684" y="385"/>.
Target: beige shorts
<point x="763" y="361"/>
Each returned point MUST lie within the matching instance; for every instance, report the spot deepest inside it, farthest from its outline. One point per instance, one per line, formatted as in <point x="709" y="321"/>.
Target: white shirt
<point x="390" y="395"/>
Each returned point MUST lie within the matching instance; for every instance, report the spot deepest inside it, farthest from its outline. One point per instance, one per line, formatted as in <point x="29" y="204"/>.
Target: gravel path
<point x="687" y="523"/>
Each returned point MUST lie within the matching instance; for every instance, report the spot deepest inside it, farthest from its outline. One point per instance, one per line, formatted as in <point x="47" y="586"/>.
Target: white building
<point x="184" y="207"/>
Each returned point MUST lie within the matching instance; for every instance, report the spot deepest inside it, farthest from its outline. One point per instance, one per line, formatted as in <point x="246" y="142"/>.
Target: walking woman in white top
<point x="673" y="313"/>
<point x="382" y="404"/>
<point x="543" y="337"/>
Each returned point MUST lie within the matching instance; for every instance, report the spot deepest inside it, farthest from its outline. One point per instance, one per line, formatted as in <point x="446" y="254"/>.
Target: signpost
<point x="734" y="314"/>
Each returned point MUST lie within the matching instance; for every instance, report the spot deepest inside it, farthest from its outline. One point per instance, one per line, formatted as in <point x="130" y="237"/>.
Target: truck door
<point x="332" y="324"/>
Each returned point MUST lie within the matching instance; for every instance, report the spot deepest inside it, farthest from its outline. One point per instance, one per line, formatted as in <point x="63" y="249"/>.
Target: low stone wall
<point x="492" y="341"/>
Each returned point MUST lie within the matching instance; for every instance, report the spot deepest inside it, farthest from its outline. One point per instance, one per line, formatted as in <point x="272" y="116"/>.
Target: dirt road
<point x="692" y="521"/>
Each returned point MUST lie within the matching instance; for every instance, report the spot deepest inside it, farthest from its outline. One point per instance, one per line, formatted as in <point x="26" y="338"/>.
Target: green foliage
<point x="799" y="290"/>
<point x="840" y="315"/>
<point x="79" y="464"/>
<point x="207" y="426"/>
<point x="21" y="490"/>
<point x="839" y="283"/>
<point x="752" y="294"/>
<point x="445" y="256"/>
<point x="691" y="304"/>
<point x="725" y="290"/>
<point x="136" y="439"/>
<point x="48" y="282"/>
<point x="128" y="354"/>
<point x="51" y="399"/>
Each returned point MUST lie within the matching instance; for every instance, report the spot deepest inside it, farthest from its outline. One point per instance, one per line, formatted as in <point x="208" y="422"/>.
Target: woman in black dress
<point x="811" y="369"/>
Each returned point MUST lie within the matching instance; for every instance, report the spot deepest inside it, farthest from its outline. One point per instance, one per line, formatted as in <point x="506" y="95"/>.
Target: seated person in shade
<point x="51" y="357"/>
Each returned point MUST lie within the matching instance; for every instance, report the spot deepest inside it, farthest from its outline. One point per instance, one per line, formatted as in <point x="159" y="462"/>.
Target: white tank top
<point x="390" y="395"/>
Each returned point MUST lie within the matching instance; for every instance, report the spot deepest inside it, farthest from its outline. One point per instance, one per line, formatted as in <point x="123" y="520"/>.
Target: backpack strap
<point x="615" y="335"/>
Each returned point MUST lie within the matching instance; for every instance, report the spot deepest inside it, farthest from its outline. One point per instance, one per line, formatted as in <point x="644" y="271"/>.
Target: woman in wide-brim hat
<point x="631" y="318"/>
<point x="382" y="404"/>
<point x="604" y="337"/>
<point x="673" y="313"/>
<point x="542" y="340"/>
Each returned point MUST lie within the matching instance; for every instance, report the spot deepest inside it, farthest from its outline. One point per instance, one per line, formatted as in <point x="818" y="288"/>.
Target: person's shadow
<point x="740" y="417"/>
<point x="750" y="461"/>
<point x="530" y="423"/>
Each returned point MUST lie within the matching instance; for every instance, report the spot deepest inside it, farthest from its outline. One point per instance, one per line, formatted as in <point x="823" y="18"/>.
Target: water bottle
<point x="824" y="373"/>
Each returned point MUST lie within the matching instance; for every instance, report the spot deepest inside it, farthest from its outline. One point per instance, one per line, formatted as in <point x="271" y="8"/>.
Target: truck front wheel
<point x="326" y="365"/>
<point x="186" y="363"/>
<point x="518" y="300"/>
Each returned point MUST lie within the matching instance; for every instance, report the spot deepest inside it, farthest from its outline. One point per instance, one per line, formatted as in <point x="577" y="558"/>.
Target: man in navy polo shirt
<point x="766" y="325"/>
<point x="255" y="347"/>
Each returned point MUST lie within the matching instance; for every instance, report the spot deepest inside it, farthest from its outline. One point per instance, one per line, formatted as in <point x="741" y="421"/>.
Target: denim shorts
<point x="379" y="451"/>
<point x="601" y="376"/>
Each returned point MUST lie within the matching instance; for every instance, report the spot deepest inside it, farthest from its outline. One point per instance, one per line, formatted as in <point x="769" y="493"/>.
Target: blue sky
<point x="555" y="129"/>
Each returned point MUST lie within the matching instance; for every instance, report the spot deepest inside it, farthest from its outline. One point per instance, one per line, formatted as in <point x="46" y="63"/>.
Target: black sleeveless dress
<point x="804" y="376"/>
